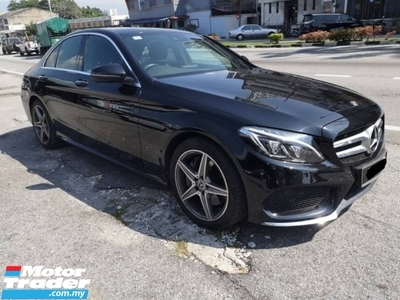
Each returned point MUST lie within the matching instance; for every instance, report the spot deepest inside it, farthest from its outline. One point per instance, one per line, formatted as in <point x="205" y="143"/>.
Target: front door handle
<point x="81" y="83"/>
<point x="43" y="78"/>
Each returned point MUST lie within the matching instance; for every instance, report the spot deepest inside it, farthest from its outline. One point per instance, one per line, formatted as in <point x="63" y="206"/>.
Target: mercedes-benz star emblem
<point x="374" y="140"/>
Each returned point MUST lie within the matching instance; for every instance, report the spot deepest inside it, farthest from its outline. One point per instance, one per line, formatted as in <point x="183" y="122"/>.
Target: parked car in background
<point x="251" y="31"/>
<point x="10" y="45"/>
<point x="232" y="140"/>
<point x="28" y="47"/>
<point x="327" y="22"/>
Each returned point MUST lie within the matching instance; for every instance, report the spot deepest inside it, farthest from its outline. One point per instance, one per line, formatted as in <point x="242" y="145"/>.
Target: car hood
<point x="268" y="98"/>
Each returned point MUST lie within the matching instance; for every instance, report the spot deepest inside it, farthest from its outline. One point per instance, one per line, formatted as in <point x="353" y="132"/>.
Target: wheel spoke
<point x="46" y="131"/>
<point x="189" y="174"/>
<point x="42" y="135"/>
<point x="190" y="192"/>
<point x="39" y="113"/>
<point x="203" y="166"/>
<point x="206" y="206"/>
<point x="37" y="124"/>
<point x="215" y="190"/>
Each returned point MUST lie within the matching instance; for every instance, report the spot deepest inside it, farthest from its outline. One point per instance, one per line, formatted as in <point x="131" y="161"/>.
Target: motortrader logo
<point x="38" y="282"/>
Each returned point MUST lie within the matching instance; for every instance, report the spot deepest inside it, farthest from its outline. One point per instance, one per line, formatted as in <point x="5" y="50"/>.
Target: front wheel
<point x="45" y="130"/>
<point x="240" y="37"/>
<point x="207" y="184"/>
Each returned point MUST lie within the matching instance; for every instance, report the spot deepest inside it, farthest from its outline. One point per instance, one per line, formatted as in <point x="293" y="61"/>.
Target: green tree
<point x="91" y="12"/>
<point x="14" y="5"/>
<point x="67" y="9"/>
<point x="31" y="29"/>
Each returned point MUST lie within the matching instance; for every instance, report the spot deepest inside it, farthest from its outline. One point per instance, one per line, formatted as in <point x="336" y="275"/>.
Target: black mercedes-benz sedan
<point x="232" y="140"/>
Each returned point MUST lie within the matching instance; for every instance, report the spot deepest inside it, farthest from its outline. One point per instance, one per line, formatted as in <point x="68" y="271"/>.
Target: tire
<point x="4" y="51"/>
<point x="27" y="52"/>
<point x="43" y="126"/>
<point x="21" y="53"/>
<point x="214" y="200"/>
<point x="240" y="37"/>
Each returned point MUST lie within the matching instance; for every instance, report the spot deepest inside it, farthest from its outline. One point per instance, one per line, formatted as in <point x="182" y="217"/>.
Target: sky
<point x="102" y="4"/>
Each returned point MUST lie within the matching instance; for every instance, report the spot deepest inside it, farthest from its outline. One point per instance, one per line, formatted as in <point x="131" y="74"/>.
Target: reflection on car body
<point x="231" y="139"/>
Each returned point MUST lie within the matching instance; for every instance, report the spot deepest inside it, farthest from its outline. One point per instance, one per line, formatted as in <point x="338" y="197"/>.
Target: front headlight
<point x="283" y="145"/>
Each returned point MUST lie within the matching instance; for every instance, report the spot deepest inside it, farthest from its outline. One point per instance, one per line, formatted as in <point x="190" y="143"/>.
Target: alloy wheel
<point x="201" y="185"/>
<point x="41" y="124"/>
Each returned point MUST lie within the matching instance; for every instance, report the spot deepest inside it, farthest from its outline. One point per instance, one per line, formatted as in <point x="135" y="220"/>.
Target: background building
<point x="211" y="16"/>
<point x="15" y="21"/>
<point x="112" y="20"/>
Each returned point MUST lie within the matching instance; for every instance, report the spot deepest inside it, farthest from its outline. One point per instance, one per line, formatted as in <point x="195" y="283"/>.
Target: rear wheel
<point x="27" y="52"/>
<point x="21" y="53"/>
<point x="240" y="37"/>
<point x="207" y="184"/>
<point x="4" y="51"/>
<point x="43" y="126"/>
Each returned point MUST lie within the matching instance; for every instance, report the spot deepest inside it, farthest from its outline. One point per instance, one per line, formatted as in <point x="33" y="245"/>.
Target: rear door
<point x="56" y="82"/>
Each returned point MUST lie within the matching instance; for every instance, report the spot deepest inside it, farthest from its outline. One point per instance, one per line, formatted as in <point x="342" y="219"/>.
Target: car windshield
<point x="169" y="53"/>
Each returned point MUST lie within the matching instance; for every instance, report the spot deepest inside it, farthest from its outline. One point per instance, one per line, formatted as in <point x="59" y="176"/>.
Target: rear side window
<point x="14" y="41"/>
<point x="68" y="56"/>
<point x="248" y="27"/>
<point x="319" y="18"/>
<point x="51" y="60"/>
<point x="331" y="17"/>
<point x="307" y="18"/>
<point x="345" y="18"/>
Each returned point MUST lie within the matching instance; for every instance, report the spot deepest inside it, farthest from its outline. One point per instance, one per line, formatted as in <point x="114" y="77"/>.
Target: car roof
<point x="110" y="31"/>
<point x="324" y="14"/>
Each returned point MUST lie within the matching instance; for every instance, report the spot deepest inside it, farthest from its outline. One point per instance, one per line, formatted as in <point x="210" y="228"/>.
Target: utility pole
<point x="240" y="12"/>
<point x="51" y="11"/>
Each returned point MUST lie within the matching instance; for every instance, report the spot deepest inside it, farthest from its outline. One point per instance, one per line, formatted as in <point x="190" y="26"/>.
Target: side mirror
<point x="108" y="73"/>
<point x="245" y="58"/>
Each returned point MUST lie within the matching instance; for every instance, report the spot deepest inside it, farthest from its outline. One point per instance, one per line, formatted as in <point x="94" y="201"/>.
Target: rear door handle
<point x="81" y="83"/>
<point x="43" y="78"/>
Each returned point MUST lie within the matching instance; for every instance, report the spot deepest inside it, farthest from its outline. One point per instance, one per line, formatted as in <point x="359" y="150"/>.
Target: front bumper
<point x="285" y="195"/>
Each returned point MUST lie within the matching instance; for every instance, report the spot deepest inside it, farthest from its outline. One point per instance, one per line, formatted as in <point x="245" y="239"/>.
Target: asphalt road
<point x="72" y="209"/>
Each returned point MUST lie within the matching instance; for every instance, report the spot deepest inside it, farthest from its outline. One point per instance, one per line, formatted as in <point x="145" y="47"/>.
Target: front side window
<point x="69" y="54"/>
<point x="99" y="51"/>
<point x="256" y="27"/>
<point x="169" y="54"/>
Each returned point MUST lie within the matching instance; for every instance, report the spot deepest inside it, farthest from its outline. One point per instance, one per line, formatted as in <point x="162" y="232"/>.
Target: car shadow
<point x="141" y="204"/>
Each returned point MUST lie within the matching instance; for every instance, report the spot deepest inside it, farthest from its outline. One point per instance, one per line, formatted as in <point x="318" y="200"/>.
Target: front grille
<point x="356" y="160"/>
<point x="293" y="200"/>
<point x="357" y="149"/>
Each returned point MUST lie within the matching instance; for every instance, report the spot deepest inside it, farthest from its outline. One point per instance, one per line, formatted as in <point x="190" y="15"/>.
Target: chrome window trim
<point x="137" y="83"/>
<point x="364" y="138"/>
